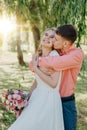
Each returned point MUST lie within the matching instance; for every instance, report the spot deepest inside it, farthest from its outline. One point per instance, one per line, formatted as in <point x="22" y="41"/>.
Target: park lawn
<point x="81" y="96"/>
<point x="14" y="76"/>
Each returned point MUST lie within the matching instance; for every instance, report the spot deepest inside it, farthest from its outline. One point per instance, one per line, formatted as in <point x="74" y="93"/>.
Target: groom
<point x="70" y="63"/>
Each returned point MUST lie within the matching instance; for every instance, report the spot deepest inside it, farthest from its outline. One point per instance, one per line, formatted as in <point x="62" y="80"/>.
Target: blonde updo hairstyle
<point x="40" y="47"/>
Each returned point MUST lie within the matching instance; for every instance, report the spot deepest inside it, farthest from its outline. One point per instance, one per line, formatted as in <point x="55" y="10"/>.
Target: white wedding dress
<point x="44" y="111"/>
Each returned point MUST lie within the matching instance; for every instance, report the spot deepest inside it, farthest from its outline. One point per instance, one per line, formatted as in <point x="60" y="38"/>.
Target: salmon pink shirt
<point x="70" y="63"/>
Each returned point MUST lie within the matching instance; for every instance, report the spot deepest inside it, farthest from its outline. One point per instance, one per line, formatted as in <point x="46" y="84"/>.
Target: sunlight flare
<point x="6" y="25"/>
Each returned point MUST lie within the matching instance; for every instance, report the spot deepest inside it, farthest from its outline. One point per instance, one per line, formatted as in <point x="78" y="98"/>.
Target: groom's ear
<point x="65" y="43"/>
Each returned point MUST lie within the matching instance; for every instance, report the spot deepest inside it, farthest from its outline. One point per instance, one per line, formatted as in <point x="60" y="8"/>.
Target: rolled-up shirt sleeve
<point x="70" y="60"/>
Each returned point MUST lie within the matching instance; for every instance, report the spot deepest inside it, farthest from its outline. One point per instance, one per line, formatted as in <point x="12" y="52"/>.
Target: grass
<point x="13" y="75"/>
<point x="81" y="95"/>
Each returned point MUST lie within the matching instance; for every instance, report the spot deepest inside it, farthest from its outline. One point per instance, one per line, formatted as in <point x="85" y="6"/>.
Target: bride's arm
<point x="51" y="80"/>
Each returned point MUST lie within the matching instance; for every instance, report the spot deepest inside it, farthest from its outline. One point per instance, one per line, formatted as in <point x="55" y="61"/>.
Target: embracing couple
<point x="52" y="96"/>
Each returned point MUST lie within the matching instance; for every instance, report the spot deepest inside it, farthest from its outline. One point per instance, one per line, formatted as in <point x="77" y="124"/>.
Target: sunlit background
<point x="9" y="34"/>
<point x="7" y="24"/>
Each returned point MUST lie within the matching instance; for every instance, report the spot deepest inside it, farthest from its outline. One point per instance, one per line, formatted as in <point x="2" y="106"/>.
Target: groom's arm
<point x="46" y="70"/>
<point x="71" y="60"/>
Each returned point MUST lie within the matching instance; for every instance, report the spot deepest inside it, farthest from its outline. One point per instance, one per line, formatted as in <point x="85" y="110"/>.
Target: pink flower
<point x="15" y="103"/>
<point x="10" y="97"/>
<point x="16" y="96"/>
<point x="16" y="91"/>
<point x="20" y="92"/>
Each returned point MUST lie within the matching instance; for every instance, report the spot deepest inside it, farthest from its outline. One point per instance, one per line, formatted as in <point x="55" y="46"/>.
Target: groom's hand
<point x="47" y="71"/>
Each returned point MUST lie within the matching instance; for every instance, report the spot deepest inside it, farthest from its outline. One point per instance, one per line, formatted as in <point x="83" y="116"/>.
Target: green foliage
<point x="70" y="12"/>
<point x="51" y="13"/>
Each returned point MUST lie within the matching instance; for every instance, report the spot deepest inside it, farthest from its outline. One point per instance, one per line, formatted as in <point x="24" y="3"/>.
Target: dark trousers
<point x="69" y="114"/>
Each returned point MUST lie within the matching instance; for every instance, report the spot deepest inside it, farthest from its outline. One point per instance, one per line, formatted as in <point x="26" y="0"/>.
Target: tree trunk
<point x="36" y="35"/>
<point x="19" y="51"/>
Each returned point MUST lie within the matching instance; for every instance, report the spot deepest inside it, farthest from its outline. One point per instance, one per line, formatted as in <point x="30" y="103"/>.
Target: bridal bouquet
<point x="15" y="100"/>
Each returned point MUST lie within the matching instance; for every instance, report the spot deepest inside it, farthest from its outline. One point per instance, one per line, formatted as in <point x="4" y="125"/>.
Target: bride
<point x="44" y="110"/>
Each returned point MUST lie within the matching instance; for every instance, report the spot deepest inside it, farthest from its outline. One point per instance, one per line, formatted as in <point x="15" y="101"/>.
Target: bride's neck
<point x="46" y="51"/>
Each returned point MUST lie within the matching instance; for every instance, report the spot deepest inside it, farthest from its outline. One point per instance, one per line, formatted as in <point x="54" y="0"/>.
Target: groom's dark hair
<point x="68" y="32"/>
